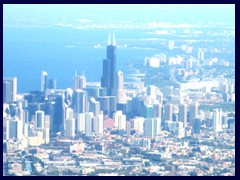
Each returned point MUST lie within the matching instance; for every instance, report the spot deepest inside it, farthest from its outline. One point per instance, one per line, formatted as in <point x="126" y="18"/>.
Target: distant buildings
<point x="79" y="82"/>
<point x="193" y="113"/>
<point x="151" y="127"/>
<point x="217" y="120"/>
<point x="70" y="123"/>
<point x="168" y="112"/>
<point x="9" y="89"/>
<point x="120" y="88"/>
<point x="183" y="114"/>
<point x="44" y="82"/>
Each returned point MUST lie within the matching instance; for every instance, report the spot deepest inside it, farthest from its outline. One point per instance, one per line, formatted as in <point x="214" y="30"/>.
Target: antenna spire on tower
<point x="114" y="40"/>
<point x="109" y="39"/>
<point x="83" y="74"/>
<point x="75" y="73"/>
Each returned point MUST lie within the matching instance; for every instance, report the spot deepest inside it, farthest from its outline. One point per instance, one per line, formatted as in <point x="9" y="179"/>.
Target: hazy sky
<point x="42" y="15"/>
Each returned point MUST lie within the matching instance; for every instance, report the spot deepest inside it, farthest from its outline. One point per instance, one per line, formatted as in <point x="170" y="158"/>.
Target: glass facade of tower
<point x="109" y="70"/>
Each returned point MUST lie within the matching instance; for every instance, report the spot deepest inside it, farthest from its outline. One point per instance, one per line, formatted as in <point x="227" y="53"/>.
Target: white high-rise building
<point x="138" y="124"/>
<point x="70" y="123"/>
<point x="151" y="91"/>
<point x="120" y="93"/>
<point x="94" y="106"/>
<point x="89" y="123"/>
<point x="81" y="122"/>
<point x="70" y="127"/>
<point x="119" y="120"/>
<point x="99" y="124"/>
<point x="79" y="81"/>
<point x="183" y="114"/>
<point x="69" y="113"/>
<point x="217" y="120"/>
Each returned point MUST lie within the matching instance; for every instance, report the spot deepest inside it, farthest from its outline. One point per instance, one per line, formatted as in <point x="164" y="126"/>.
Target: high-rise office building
<point x="14" y="128"/>
<point x="25" y="116"/>
<point x="50" y="110"/>
<point x="89" y="123"/>
<point x="39" y="119"/>
<point x="93" y="91"/>
<point x="79" y="102"/>
<point x="151" y="127"/>
<point x="196" y="126"/>
<point x="94" y="106"/>
<point x="217" y="120"/>
<point x="138" y="124"/>
<point x="44" y="82"/>
<point x="193" y="112"/>
<point x="52" y="84"/>
<point x="107" y="105"/>
<point x="70" y="123"/>
<point x="119" y="120"/>
<point x="157" y="110"/>
<point x="109" y="68"/>
<point x="183" y="114"/>
<point x="121" y="97"/>
<point x="148" y="111"/>
<point x="79" y="81"/>
<point x="57" y="111"/>
<point x="80" y="123"/>
<point x="9" y="89"/>
<point x="98" y="124"/>
<point x="168" y="112"/>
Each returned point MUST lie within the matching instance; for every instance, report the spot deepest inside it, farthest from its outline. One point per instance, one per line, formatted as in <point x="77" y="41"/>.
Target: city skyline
<point x="155" y="97"/>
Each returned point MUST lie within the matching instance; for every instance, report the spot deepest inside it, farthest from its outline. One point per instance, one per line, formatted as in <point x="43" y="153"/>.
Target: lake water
<point x="28" y="51"/>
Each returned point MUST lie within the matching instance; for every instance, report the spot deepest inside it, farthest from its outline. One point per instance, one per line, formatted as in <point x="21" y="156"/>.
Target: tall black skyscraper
<point x="56" y="110"/>
<point x="109" y="68"/>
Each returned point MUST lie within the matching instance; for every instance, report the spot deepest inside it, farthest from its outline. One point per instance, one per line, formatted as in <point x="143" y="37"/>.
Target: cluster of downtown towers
<point x="55" y="103"/>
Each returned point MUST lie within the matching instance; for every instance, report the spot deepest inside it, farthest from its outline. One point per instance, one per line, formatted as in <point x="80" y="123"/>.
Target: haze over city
<point x="146" y="90"/>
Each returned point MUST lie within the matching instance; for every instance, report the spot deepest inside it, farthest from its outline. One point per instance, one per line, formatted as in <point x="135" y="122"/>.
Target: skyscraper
<point x="217" y="120"/>
<point x="120" y="88"/>
<point x="89" y="123"/>
<point x="107" y="104"/>
<point x="14" y="128"/>
<point x="193" y="112"/>
<point x="119" y="120"/>
<point x="151" y="127"/>
<point x="70" y="123"/>
<point x="183" y="114"/>
<point x="98" y="124"/>
<point x="157" y="110"/>
<point x="9" y="89"/>
<point x="94" y="106"/>
<point x="79" y="102"/>
<point x="57" y="111"/>
<point x="168" y="112"/>
<point x="109" y="68"/>
<point x="52" y="84"/>
<point x="79" y="81"/>
<point x="44" y="82"/>
<point x="39" y="119"/>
